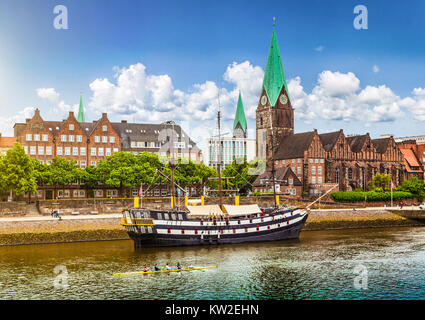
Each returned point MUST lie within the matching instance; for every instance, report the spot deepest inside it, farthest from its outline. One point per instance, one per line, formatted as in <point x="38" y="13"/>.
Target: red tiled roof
<point x="7" y="142"/>
<point x="410" y="160"/>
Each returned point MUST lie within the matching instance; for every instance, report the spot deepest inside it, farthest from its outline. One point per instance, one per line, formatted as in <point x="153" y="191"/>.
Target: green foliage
<point x="414" y="186"/>
<point x="17" y="171"/>
<point x="370" y="196"/>
<point x="243" y="180"/>
<point x="381" y="181"/>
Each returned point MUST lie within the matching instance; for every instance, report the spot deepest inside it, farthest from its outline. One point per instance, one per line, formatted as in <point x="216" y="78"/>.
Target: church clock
<point x="283" y="99"/>
<point x="263" y="100"/>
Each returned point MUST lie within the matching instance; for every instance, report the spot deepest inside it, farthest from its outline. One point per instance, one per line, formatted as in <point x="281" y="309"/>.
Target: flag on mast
<point x="140" y="189"/>
<point x="392" y="185"/>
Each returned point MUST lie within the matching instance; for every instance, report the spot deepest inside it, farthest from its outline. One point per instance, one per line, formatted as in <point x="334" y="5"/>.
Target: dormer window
<point x="71" y="127"/>
<point x="104" y="128"/>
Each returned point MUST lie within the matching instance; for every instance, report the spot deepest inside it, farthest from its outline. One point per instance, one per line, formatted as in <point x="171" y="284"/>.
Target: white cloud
<point x="6" y="128"/>
<point x="336" y="97"/>
<point x="60" y="108"/>
<point x="319" y="48"/>
<point x="416" y="104"/>
<point x="375" y="68"/>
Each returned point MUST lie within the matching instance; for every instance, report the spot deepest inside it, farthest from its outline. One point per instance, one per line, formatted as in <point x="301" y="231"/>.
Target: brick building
<point x="320" y="161"/>
<point x="6" y="143"/>
<point x="85" y="142"/>
<point x="287" y="181"/>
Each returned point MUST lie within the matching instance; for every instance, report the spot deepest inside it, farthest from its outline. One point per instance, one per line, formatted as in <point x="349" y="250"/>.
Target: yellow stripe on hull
<point x="159" y="271"/>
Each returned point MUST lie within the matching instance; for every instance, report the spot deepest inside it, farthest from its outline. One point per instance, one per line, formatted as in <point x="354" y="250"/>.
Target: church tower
<point x="239" y="125"/>
<point x="274" y="112"/>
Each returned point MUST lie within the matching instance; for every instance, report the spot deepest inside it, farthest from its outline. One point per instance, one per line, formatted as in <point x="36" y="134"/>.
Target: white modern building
<point x="232" y="148"/>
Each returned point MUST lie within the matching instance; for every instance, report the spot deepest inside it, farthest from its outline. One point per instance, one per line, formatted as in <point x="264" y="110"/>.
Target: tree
<point x="243" y="181"/>
<point x="414" y="186"/>
<point x="380" y="182"/>
<point x="62" y="172"/>
<point x="17" y="172"/>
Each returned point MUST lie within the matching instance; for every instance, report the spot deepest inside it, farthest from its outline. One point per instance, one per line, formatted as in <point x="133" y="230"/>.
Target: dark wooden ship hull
<point x="282" y="225"/>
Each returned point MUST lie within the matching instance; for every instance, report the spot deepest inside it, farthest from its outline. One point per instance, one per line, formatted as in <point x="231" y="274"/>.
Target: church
<point x="319" y="160"/>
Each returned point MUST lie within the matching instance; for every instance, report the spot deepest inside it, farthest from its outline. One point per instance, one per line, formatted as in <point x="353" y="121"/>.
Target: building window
<point x="98" y="193"/>
<point x="79" y="138"/>
<point x="75" y="151"/>
<point x="112" y="139"/>
<point x="93" y="151"/>
<point x="104" y="139"/>
<point x="63" y="138"/>
<point x="59" y="151"/>
<point x="310" y="160"/>
<point x="71" y="138"/>
<point x="33" y="150"/>
<point x="313" y="179"/>
<point x="93" y="163"/>
<point x="115" y="149"/>
<point x="49" y="151"/>
<point x="112" y="193"/>
<point x="49" y="162"/>
<point x="100" y="152"/>
<point x="45" y="137"/>
<point x="82" y="164"/>
<point x="293" y="160"/>
<point x="319" y="179"/>
<point x="97" y="139"/>
<point x="291" y="181"/>
<point x="71" y="127"/>
<point x="316" y="160"/>
<point x="299" y="160"/>
<point x="40" y="150"/>
<point x="108" y="152"/>
<point x="322" y="161"/>
<point x="28" y="137"/>
<point x="298" y="170"/>
<point x="36" y="137"/>
<point x="67" y="151"/>
<point x="104" y="128"/>
<point x="82" y="151"/>
<point x="319" y="169"/>
<point x="350" y="174"/>
<point x="313" y="170"/>
<point x="337" y="175"/>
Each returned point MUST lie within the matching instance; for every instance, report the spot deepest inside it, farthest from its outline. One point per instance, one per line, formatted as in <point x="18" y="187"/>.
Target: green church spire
<point x="81" y="111"/>
<point x="274" y="77"/>
<point x="240" y="115"/>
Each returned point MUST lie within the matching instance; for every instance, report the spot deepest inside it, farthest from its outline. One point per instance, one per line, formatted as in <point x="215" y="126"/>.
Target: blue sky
<point x="194" y="42"/>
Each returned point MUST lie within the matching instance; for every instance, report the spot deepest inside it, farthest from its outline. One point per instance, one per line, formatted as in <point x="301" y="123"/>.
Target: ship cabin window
<point x="150" y="229"/>
<point x="159" y="215"/>
<point x="173" y="216"/>
<point x="166" y="216"/>
<point x="180" y="216"/>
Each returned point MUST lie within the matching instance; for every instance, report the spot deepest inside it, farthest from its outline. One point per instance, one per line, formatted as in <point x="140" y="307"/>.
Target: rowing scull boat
<point x="159" y="271"/>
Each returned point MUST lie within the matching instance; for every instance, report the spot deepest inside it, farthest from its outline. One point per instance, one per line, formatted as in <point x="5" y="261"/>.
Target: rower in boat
<point x="145" y="269"/>
<point x="156" y="268"/>
<point x="179" y="266"/>
<point x="167" y="267"/>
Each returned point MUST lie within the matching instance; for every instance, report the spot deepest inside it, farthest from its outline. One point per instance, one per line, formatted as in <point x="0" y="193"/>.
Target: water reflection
<point x="317" y="266"/>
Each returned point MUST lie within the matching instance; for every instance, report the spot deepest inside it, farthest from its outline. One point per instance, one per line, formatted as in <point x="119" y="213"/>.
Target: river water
<point x="343" y="264"/>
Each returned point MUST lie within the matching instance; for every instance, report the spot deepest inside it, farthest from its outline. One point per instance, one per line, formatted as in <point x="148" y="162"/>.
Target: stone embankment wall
<point x="363" y="218"/>
<point x="54" y="230"/>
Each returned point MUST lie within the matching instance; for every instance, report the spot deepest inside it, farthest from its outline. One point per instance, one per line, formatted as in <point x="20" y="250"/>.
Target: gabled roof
<point x="356" y="142"/>
<point x="146" y="132"/>
<point x="274" y="77"/>
<point x="294" y="145"/>
<point x="410" y="160"/>
<point x="240" y="115"/>
<point x="280" y="174"/>
<point x="329" y="139"/>
<point x="381" y="145"/>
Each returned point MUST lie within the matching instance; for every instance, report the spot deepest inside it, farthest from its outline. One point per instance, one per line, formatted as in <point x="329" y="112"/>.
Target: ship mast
<point x="219" y="154"/>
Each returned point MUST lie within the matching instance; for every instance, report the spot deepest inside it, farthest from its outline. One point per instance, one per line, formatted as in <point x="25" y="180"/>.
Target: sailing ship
<point x="212" y="224"/>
